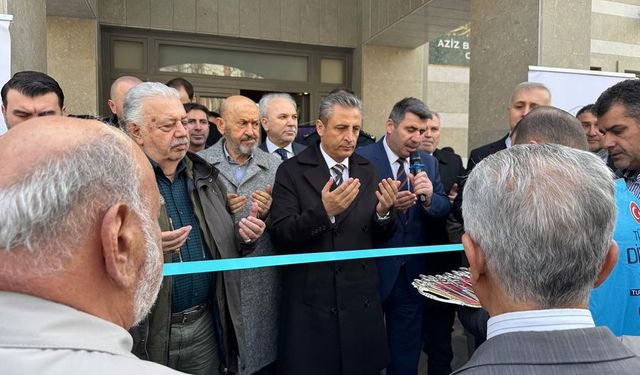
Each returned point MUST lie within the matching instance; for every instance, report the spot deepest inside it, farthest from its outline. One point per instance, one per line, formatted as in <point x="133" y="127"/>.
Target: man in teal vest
<point x="616" y="303"/>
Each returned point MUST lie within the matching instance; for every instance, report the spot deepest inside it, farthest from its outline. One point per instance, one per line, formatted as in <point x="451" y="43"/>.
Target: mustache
<point x="179" y="142"/>
<point x="248" y="138"/>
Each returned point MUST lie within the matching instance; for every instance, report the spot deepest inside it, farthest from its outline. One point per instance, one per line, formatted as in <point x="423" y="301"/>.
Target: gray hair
<point x="409" y="105"/>
<point x="543" y="216"/>
<point x="48" y="211"/>
<point x="548" y="124"/>
<point x="341" y="99"/>
<point x="133" y="108"/>
<point x="266" y="99"/>
<point x="528" y="86"/>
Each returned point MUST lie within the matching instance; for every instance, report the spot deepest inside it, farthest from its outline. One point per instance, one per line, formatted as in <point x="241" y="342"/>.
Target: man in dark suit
<point x="525" y="97"/>
<point x="279" y="119"/>
<point x="324" y="199"/>
<point x="402" y="304"/>
<point x="533" y="265"/>
<point x="439" y="317"/>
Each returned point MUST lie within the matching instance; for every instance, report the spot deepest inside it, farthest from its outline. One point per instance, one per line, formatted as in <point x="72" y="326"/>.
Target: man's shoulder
<point x="446" y="156"/>
<point x="490" y="148"/>
<point x="532" y="352"/>
<point x="266" y="160"/>
<point x="213" y="154"/>
<point x="369" y="149"/>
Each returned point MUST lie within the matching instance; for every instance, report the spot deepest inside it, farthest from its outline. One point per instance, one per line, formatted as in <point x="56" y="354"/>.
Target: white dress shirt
<point x="393" y="161"/>
<point x="539" y="320"/>
<point x="271" y="147"/>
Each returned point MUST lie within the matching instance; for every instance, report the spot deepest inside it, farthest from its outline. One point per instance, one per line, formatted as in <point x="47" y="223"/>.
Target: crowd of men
<point x="92" y="209"/>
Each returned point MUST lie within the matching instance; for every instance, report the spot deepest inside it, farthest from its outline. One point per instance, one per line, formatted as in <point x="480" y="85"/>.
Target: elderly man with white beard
<point x="80" y="258"/>
<point x="195" y="325"/>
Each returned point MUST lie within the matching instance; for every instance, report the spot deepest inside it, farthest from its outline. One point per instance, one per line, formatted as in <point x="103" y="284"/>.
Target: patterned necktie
<point x="402" y="176"/>
<point x="337" y="171"/>
<point x="283" y="153"/>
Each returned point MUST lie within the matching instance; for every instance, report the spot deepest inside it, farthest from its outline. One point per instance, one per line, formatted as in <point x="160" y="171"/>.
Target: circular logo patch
<point x="635" y="211"/>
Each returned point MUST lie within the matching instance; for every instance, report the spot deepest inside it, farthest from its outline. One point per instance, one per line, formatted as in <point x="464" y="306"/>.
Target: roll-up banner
<point x="572" y="89"/>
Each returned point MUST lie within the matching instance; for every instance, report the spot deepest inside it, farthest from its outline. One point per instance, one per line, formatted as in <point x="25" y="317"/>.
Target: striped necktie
<point x="402" y="176"/>
<point x="337" y="173"/>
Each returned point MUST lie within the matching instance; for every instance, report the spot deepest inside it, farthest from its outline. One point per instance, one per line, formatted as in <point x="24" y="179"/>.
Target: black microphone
<point x="416" y="166"/>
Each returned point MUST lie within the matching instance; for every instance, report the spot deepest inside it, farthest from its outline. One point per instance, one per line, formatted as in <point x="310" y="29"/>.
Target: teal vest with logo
<point x="616" y="302"/>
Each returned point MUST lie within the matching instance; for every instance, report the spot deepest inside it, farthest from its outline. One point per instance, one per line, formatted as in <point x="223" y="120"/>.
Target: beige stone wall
<point x="72" y="59"/>
<point x="388" y="75"/>
<point x="615" y="35"/>
<point x="321" y="22"/>
<point x="448" y="94"/>
<point x="28" y="35"/>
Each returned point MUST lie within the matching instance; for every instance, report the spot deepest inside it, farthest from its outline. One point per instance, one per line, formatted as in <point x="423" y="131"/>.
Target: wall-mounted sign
<point x="452" y="48"/>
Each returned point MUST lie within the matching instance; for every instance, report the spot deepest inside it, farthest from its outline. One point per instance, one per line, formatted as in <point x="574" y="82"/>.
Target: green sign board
<point x="451" y="48"/>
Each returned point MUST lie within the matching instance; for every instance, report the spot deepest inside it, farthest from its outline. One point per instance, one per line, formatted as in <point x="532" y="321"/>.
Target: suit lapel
<point x="316" y="176"/>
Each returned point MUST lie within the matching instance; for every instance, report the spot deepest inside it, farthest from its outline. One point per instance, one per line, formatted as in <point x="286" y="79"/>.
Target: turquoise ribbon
<point x="173" y="269"/>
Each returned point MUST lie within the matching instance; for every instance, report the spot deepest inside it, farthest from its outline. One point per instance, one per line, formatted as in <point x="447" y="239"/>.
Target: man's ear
<point x="475" y="256"/>
<point x="319" y="127"/>
<point x="120" y="237"/>
<point x="610" y="261"/>
<point x="220" y="124"/>
<point x="64" y="110"/>
<point x="112" y="105"/>
<point x="389" y="125"/>
<point x="136" y="133"/>
<point x="265" y="123"/>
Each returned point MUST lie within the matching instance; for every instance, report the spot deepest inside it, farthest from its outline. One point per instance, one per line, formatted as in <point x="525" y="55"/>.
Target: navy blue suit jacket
<point x="413" y="230"/>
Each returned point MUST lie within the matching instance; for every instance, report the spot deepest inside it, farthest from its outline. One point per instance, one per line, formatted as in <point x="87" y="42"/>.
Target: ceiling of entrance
<point x="72" y="8"/>
<point x="415" y="28"/>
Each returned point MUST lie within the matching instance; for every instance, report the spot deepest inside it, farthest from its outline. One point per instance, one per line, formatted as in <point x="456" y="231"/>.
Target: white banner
<point x="572" y="89"/>
<point x="5" y="57"/>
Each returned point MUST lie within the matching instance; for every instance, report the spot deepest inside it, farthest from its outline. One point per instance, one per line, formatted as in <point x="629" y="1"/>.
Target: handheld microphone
<point x="416" y="166"/>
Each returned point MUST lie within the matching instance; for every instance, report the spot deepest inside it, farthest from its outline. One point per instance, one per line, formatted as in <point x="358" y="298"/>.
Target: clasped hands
<point x="337" y="201"/>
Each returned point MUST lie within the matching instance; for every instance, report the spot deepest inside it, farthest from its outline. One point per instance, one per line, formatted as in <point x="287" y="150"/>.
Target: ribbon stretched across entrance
<point x="173" y="269"/>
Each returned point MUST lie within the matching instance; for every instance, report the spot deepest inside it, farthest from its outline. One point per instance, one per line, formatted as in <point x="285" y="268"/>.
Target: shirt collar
<point x="393" y="158"/>
<point x="181" y="167"/>
<point x="539" y="320"/>
<point x="629" y="175"/>
<point x="330" y="162"/>
<point x="271" y="147"/>
<point x="507" y="141"/>
<point x="232" y="160"/>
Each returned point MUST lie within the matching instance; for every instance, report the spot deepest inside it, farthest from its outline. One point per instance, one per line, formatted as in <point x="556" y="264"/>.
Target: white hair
<point x="528" y="86"/>
<point x="345" y="100"/>
<point x="266" y="99"/>
<point x="133" y="109"/>
<point x="49" y="210"/>
<point x="543" y="216"/>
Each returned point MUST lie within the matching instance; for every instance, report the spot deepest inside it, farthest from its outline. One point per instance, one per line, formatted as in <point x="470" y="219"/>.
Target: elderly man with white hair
<point x="195" y="326"/>
<point x="533" y="264"/>
<point x="80" y="258"/>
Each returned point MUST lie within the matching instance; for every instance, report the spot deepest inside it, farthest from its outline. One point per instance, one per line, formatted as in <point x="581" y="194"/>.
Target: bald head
<point x="119" y="90"/>
<point x="239" y="124"/>
<point x="547" y="124"/>
<point x="74" y="195"/>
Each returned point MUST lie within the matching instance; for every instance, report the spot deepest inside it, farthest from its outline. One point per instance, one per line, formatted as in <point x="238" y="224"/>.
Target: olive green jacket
<point x="221" y="235"/>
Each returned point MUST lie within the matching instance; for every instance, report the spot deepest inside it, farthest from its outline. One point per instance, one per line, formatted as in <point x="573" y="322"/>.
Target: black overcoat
<point x="331" y="315"/>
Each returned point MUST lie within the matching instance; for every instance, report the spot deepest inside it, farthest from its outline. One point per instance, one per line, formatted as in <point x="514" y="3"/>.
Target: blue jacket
<point x="413" y="230"/>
